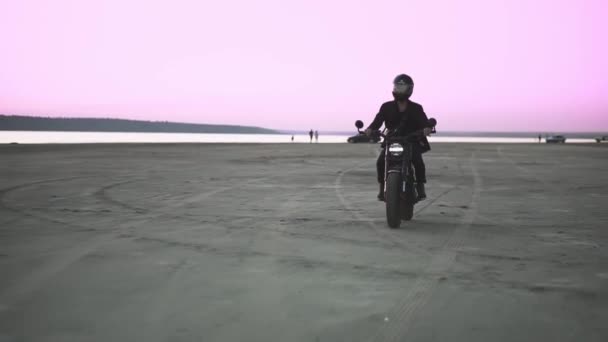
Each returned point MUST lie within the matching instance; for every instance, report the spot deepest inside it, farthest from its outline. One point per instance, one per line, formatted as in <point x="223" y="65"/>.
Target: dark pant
<point x="419" y="168"/>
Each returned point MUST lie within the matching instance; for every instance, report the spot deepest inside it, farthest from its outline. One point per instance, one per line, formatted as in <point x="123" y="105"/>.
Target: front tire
<point x="393" y="198"/>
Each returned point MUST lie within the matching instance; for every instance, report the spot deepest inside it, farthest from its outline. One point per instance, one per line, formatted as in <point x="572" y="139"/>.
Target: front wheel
<point x="393" y="198"/>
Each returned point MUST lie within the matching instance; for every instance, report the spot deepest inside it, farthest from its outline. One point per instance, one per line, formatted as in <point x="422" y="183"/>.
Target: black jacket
<point x="411" y="120"/>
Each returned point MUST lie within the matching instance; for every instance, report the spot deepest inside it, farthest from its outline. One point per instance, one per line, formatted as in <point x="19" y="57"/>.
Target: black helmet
<point x="403" y="86"/>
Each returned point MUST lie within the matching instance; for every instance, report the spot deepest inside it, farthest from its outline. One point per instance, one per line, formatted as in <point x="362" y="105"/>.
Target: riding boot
<point x="421" y="192"/>
<point x="381" y="192"/>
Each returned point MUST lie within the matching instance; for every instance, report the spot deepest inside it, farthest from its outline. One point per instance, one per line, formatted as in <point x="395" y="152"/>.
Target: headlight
<point x="395" y="149"/>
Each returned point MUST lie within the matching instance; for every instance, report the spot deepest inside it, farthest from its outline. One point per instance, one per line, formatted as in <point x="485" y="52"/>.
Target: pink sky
<point x="490" y="65"/>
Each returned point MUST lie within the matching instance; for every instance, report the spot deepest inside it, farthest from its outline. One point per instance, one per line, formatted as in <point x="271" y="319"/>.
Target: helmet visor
<point x="401" y="88"/>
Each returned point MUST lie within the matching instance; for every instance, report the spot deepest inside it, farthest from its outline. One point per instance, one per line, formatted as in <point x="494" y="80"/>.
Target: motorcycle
<point x="400" y="193"/>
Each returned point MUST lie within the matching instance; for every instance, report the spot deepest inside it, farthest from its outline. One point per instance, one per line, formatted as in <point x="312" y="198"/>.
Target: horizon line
<point x="294" y="131"/>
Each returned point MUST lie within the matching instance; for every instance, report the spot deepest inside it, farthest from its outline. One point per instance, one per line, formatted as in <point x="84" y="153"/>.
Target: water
<point x="42" y="137"/>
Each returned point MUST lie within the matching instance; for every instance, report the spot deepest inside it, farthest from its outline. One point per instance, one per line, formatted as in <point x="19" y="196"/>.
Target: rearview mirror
<point x="432" y="123"/>
<point x="359" y="124"/>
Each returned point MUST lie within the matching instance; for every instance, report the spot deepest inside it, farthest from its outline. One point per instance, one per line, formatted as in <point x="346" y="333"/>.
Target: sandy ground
<point x="288" y="243"/>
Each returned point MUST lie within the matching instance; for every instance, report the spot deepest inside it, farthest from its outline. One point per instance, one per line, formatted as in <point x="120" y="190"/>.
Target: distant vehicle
<point x="600" y="139"/>
<point x="556" y="139"/>
<point x="363" y="138"/>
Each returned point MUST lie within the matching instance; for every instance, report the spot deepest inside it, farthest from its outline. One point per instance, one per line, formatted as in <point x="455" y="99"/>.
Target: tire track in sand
<point x="386" y="234"/>
<point x="102" y="194"/>
<point x="34" y="280"/>
<point x="288" y="205"/>
<point x="400" y="317"/>
<point x="28" y="213"/>
<point x="54" y="265"/>
<point x="383" y="233"/>
<point x="99" y="193"/>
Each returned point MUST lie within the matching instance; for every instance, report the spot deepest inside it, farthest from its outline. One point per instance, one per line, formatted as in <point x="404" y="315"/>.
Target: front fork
<point x="408" y="189"/>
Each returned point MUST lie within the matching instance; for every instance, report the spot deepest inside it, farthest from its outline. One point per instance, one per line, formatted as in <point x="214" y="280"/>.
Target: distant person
<point x="292" y="138"/>
<point x="311" y="133"/>
<point x="540" y="137"/>
<point x="404" y="116"/>
<point x="317" y="136"/>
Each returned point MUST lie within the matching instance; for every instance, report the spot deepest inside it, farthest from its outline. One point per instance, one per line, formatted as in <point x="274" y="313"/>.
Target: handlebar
<point x="415" y="134"/>
<point x="430" y="124"/>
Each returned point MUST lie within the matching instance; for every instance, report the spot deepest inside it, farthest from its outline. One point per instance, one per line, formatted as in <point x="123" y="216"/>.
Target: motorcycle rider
<point x="405" y="117"/>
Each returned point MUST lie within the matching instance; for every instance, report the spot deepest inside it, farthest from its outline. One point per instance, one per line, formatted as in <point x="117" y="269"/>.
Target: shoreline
<point x="93" y="144"/>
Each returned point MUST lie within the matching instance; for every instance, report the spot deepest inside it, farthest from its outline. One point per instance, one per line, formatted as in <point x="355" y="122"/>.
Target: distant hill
<point x="32" y="123"/>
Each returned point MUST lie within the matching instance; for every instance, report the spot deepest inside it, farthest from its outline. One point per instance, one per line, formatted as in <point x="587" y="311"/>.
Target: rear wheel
<point x="393" y="183"/>
<point x="407" y="210"/>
